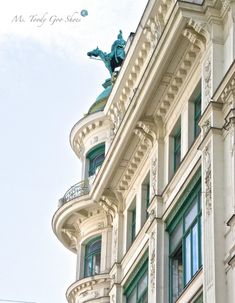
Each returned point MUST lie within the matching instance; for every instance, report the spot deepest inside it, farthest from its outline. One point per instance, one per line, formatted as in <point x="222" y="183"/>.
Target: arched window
<point x="92" y="257"/>
<point x="95" y="158"/>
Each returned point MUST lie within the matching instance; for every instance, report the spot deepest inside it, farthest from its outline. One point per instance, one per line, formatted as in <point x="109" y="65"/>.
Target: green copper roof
<point x="101" y="100"/>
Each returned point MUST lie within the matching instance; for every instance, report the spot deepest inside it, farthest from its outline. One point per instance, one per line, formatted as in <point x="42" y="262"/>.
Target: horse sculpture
<point x="113" y="59"/>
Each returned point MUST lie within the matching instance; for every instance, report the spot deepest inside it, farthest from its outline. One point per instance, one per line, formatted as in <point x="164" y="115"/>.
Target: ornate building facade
<point x="154" y="218"/>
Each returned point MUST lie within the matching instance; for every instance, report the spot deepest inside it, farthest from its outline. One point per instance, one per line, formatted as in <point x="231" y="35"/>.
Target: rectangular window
<point x="137" y="289"/>
<point x="185" y="243"/>
<point x="133" y="225"/>
<point x="177" y="149"/>
<point x="92" y="257"/>
<point x="145" y="198"/>
<point x="197" y="115"/>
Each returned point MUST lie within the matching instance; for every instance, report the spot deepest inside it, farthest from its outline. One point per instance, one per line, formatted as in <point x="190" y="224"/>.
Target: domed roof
<point x="101" y="100"/>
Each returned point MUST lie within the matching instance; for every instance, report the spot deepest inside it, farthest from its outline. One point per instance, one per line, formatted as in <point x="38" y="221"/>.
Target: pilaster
<point x="213" y="214"/>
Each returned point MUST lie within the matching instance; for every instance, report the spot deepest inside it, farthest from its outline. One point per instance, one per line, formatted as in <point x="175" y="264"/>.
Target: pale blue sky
<point x="47" y="83"/>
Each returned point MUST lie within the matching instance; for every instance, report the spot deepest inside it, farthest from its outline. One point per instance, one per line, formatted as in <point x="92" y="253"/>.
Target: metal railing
<point x="79" y="189"/>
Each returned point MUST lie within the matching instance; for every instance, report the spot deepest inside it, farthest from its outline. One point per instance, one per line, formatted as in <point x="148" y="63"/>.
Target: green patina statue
<point x="113" y="59"/>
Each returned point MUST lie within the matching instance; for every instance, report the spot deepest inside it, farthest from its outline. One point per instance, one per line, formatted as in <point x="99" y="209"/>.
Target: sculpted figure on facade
<point x="113" y="59"/>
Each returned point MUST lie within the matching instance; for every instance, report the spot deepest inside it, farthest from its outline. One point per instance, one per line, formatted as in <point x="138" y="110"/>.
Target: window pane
<point x="96" y="264"/>
<point x="144" y="298"/>
<point x="177" y="149"/>
<point x="191" y="215"/>
<point x="188" y="259"/>
<point x="94" y="246"/>
<point x="143" y="284"/>
<point x="176" y="236"/>
<point x="177" y="274"/>
<point x="197" y="115"/>
<point x="88" y="267"/>
<point x="132" y="298"/>
<point x="92" y="257"/>
<point x="133" y="224"/>
<point x="195" y="251"/>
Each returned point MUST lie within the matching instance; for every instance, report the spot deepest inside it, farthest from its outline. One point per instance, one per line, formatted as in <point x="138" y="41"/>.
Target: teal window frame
<point x="133" y="224"/>
<point x="197" y="115"/>
<point x="92" y="258"/>
<point x="190" y="200"/>
<point x="134" y="283"/>
<point x="177" y="148"/>
<point x="95" y="158"/>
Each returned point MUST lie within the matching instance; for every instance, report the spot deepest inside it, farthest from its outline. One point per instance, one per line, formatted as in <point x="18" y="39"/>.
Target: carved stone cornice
<point x="177" y="80"/>
<point x="152" y="30"/>
<point x="132" y="166"/>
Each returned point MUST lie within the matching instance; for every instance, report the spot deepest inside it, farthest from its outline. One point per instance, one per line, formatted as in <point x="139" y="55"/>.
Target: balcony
<point x="81" y="188"/>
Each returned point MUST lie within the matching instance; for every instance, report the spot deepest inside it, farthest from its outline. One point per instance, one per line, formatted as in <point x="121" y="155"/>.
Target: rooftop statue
<point x="113" y="59"/>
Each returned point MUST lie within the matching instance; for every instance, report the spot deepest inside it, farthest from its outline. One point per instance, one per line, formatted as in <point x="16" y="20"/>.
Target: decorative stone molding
<point x="89" y="289"/>
<point x="135" y="161"/>
<point x="115" y="243"/>
<point x="207" y="178"/>
<point x="177" y="80"/>
<point x="206" y="127"/>
<point x="228" y="90"/>
<point x="72" y="235"/>
<point x="146" y="131"/>
<point x="207" y="80"/>
<point x="152" y="261"/>
<point x="152" y="215"/>
<point x="152" y="32"/>
<point x="80" y="134"/>
<point x="154" y="163"/>
<point x="109" y="203"/>
<point x="195" y="32"/>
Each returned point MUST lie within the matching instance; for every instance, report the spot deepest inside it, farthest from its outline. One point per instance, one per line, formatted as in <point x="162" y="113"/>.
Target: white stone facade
<point x="137" y="200"/>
